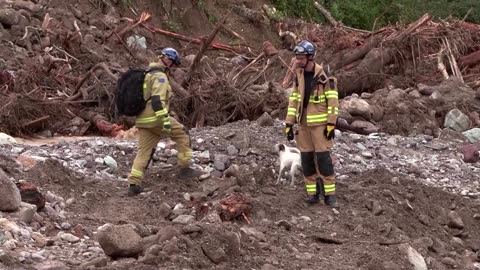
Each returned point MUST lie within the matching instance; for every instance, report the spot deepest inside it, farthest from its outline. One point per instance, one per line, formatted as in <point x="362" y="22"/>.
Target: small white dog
<point x="289" y="158"/>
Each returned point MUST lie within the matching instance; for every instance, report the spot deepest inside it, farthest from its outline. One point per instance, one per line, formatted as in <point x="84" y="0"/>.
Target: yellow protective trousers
<point x="315" y="153"/>
<point x="148" y="139"/>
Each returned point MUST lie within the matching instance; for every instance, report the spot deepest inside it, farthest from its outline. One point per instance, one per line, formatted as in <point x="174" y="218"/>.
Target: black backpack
<point x="129" y="92"/>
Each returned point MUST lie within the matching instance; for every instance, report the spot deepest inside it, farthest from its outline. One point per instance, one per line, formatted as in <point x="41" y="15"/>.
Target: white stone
<point x="6" y="139"/>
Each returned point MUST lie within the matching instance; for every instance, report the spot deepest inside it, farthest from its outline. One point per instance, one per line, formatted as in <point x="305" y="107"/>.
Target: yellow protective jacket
<point x="322" y="106"/>
<point x="157" y="90"/>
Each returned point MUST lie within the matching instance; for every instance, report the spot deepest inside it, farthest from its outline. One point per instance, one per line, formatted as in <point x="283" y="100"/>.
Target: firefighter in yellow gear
<point x="154" y="123"/>
<point x="313" y="105"/>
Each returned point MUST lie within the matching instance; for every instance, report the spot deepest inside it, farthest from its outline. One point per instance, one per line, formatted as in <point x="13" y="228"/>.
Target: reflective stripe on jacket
<point x="157" y="90"/>
<point x="322" y="106"/>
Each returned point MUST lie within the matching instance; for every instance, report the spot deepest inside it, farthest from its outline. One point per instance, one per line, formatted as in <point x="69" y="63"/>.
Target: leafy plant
<point x="363" y="13"/>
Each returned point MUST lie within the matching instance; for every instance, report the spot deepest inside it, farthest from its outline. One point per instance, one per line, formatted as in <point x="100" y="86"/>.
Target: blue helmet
<point x="171" y="54"/>
<point x="305" y="47"/>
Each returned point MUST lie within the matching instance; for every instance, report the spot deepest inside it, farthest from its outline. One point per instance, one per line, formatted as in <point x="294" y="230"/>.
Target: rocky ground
<point x="404" y="203"/>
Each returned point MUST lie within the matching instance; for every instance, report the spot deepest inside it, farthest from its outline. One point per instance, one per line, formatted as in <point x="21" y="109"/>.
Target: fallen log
<point x="102" y="123"/>
<point x="367" y="74"/>
<point x="354" y="55"/>
<point x="470" y="60"/>
<point x="188" y="39"/>
<point x="397" y="36"/>
<point x="347" y="58"/>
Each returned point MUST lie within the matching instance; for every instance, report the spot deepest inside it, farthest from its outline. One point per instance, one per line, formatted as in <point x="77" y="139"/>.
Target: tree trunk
<point x="470" y="60"/>
<point x="354" y="55"/>
<point x="367" y="74"/>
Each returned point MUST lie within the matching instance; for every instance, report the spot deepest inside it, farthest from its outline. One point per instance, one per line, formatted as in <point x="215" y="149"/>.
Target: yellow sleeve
<point x="331" y="93"/>
<point x="292" y="106"/>
<point x="160" y="88"/>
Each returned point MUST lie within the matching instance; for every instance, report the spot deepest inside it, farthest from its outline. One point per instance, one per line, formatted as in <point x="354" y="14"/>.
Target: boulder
<point x="10" y="199"/>
<point x="119" y="240"/>
<point x="473" y="135"/>
<point x="358" y="107"/>
<point x="457" y="121"/>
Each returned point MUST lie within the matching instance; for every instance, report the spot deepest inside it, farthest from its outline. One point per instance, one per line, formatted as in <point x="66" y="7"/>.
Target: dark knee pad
<point x="308" y="163"/>
<point x="325" y="163"/>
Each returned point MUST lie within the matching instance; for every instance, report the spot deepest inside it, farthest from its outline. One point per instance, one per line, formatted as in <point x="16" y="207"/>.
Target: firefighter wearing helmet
<point x="313" y="106"/>
<point x="155" y="123"/>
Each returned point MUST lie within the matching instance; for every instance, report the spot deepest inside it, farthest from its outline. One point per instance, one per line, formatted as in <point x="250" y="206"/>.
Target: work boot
<point x="331" y="200"/>
<point x="134" y="190"/>
<point x="312" y="199"/>
<point x="188" y="173"/>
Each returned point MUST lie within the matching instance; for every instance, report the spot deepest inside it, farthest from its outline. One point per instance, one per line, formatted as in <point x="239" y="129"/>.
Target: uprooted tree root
<point x="218" y="101"/>
<point x="20" y="115"/>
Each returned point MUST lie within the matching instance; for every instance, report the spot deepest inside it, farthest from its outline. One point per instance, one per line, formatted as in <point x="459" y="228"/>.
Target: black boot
<point x="312" y="199"/>
<point x="331" y="200"/>
<point x="188" y="173"/>
<point x="134" y="190"/>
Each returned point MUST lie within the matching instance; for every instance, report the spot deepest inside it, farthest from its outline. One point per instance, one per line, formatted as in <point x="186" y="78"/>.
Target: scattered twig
<point x="36" y="121"/>
<point x="101" y="65"/>
<point x="466" y="15"/>
<point x="124" y="45"/>
<point x="26" y="31"/>
<point x="67" y="54"/>
<point x="267" y="50"/>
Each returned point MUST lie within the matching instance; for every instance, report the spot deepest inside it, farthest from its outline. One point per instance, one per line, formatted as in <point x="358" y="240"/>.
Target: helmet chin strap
<point x="163" y="61"/>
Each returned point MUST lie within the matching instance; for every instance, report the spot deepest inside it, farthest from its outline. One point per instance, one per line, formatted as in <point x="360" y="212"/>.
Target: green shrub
<point x="363" y="13"/>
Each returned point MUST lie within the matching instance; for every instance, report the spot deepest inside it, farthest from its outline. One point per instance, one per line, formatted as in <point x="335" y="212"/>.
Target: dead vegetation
<point x="63" y="69"/>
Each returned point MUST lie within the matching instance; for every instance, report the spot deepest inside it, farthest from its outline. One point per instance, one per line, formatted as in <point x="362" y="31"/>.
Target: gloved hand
<point x="329" y="132"/>
<point x="289" y="131"/>
<point x="167" y="127"/>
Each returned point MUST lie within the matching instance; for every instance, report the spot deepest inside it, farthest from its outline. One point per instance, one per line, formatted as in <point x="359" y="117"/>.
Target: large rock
<point x="119" y="240"/>
<point x="10" y="198"/>
<point x="6" y="139"/>
<point x="455" y="220"/>
<point x="473" y="135"/>
<point x="30" y="194"/>
<point x="471" y="153"/>
<point x="19" y="4"/>
<point x="415" y="258"/>
<point x="457" y="121"/>
<point x="358" y="107"/>
<point x="396" y="95"/>
<point x="9" y="17"/>
<point x="366" y="126"/>
<point x="265" y="120"/>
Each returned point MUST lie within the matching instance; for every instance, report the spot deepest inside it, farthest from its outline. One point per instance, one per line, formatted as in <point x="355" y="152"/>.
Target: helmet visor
<point x="299" y="50"/>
